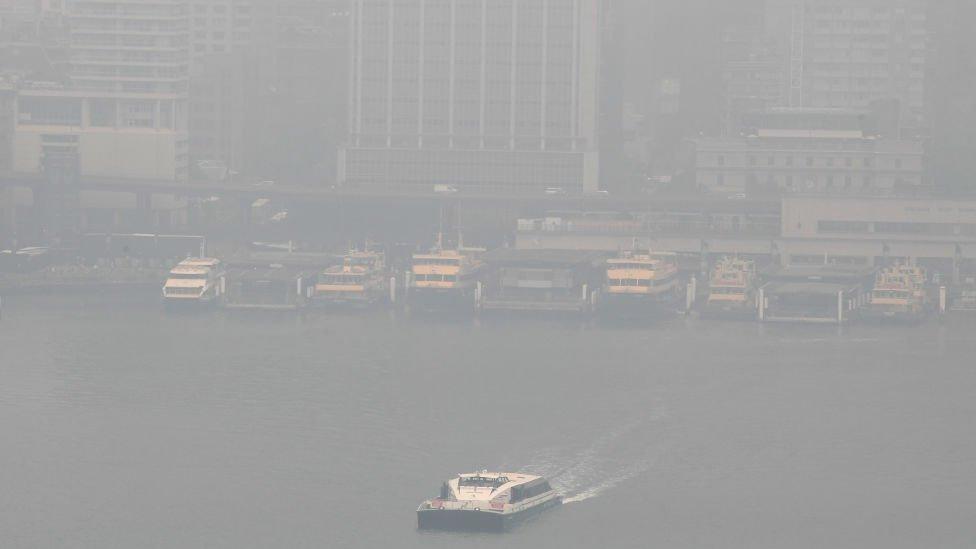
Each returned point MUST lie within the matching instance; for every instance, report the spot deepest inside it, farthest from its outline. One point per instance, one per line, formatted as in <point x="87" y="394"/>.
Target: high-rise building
<point x="129" y="47"/>
<point x="220" y="26"/>
<point x="122" y="111"/>
<point x="952" y="78"/>
<point x="852" y="53"/>
<point x="496" y="96"/>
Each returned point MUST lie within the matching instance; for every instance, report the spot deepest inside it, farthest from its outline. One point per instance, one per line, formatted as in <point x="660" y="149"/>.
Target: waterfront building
<point x="808" y="151"/>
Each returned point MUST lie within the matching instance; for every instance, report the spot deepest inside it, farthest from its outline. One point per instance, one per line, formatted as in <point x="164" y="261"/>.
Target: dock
<point x="540" y="280"/>
<point x="824" y="294"/>
<point x="267" y="288"/>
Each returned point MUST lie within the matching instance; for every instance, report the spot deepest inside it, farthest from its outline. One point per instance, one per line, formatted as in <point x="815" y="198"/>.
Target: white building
<point x="808" y="151"/>
<point x="124" y="113"/>
<point x="487" y="95"/>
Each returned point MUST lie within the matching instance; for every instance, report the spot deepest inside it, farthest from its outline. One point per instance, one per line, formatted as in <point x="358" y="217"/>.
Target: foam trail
<point x="600" y="487"/>
<point x="593" y="469"/>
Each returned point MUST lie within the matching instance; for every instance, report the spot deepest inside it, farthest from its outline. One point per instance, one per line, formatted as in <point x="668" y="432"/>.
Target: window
<point x="842" y="226"/>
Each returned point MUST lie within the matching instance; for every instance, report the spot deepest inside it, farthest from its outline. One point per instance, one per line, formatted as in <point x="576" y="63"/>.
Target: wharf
<point x="540" y="280"/>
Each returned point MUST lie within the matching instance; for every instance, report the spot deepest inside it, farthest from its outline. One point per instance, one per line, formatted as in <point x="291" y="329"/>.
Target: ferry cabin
<point x="731" y="284"/>
<point x="444" y="270"/>
<point x="642" y="275"/>
<point x="899" y="292"/>
<point x="195" y="280"/>
<point x="360" y="277"/>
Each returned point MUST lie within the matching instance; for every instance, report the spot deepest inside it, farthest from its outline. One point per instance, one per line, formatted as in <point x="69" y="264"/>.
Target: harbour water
<point x="125" y="426"/>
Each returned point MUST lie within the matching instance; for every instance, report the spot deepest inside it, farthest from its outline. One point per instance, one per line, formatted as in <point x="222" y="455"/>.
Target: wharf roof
<point x="543" y="258"/>
<point x="807" y="288"/>
<point x="819" y="273"/>
<point x="275" y="274"/>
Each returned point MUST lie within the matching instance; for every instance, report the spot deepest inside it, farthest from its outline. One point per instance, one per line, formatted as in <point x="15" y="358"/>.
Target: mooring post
<point x="762" y="304"/>
<point x="840" y="307"/>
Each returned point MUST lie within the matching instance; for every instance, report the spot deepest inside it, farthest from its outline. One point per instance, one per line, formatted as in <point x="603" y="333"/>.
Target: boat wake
<point x="607" y="462"/>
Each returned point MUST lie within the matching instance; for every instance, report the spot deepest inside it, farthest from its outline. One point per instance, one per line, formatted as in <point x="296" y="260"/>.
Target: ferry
<point x="898" y="294"/>
<point x="361" y="280"/>
<point x="732" y="289"/>
<point x="492" y="502"/>
<point x="195" y="281"/>
<point x="445" y="278"/>
<point x="642" y="284"/>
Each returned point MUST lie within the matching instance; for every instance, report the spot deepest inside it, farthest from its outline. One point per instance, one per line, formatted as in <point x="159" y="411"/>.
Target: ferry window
<point x="644" y="283"/>
<point x="450" y="278"/>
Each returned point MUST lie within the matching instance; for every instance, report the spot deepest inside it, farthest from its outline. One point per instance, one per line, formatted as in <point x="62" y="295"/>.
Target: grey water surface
<point x="124" y="426"/>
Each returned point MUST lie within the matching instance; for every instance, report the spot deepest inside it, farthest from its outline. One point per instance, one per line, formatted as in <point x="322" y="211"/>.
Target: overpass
<point x="380" y="196"/>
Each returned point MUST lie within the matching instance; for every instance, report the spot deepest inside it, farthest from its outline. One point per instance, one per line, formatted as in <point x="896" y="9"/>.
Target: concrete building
<point x="952" y="104"/>
<point x="220" y="26"/>
<point x="851" y="53"/>
<point x="808" y="151"/>
<point x="493" y="96"/>
<point x="123" y="112"/>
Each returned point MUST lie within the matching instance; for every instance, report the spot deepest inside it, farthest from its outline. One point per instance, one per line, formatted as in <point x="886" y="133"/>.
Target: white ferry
<point x="898" y="294"/>
<point x="639" y="284"/>
<point x="445" y="278"/>
<point x="194" y="281"/>
<point x="486" y="501"/>
<point x="732" y="289"/>
<point x="360" y="280"/>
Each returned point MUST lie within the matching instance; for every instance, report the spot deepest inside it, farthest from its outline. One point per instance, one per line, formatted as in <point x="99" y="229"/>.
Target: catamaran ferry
<point x="445" y="278"/>
<point x="486" y="501"/>
<point x="360" y="280"/>
<point x="732" y="289"/>
<point x="898" y="294"/>
<point x="640" y="284"/>
<point x="194" y="281"/>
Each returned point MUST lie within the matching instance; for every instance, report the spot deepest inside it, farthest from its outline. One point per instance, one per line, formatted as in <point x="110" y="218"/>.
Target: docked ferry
<point x="445" y="278"/>
<point x="195" y="281"/>
<point x="484" y="501"/>
<point x="640" y="284"/>
<point x="732" y="290"/>
<point x="898" y="294"/>
<point x="361" y="280"/>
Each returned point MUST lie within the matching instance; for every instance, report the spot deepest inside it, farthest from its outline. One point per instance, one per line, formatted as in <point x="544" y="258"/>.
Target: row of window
<point x="890" y="227"/>
<point x="435" y="278"/>
<point x="520" y="493"/>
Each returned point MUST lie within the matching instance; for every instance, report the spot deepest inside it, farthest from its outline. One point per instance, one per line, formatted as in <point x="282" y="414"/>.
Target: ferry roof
<point x="200" y="261"/>
<point x="189" y="269"/>
<point x="484" y="493"/>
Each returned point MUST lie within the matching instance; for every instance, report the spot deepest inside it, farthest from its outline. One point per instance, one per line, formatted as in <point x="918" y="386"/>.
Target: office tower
<point x="493" y="96"/>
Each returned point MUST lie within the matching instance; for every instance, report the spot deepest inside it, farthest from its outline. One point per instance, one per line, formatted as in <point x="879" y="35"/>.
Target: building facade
<point x="851" y="53"/>
<point x="123" y="110"/>
<point x="493" y="96"/>
<point x="809" y="151"/>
